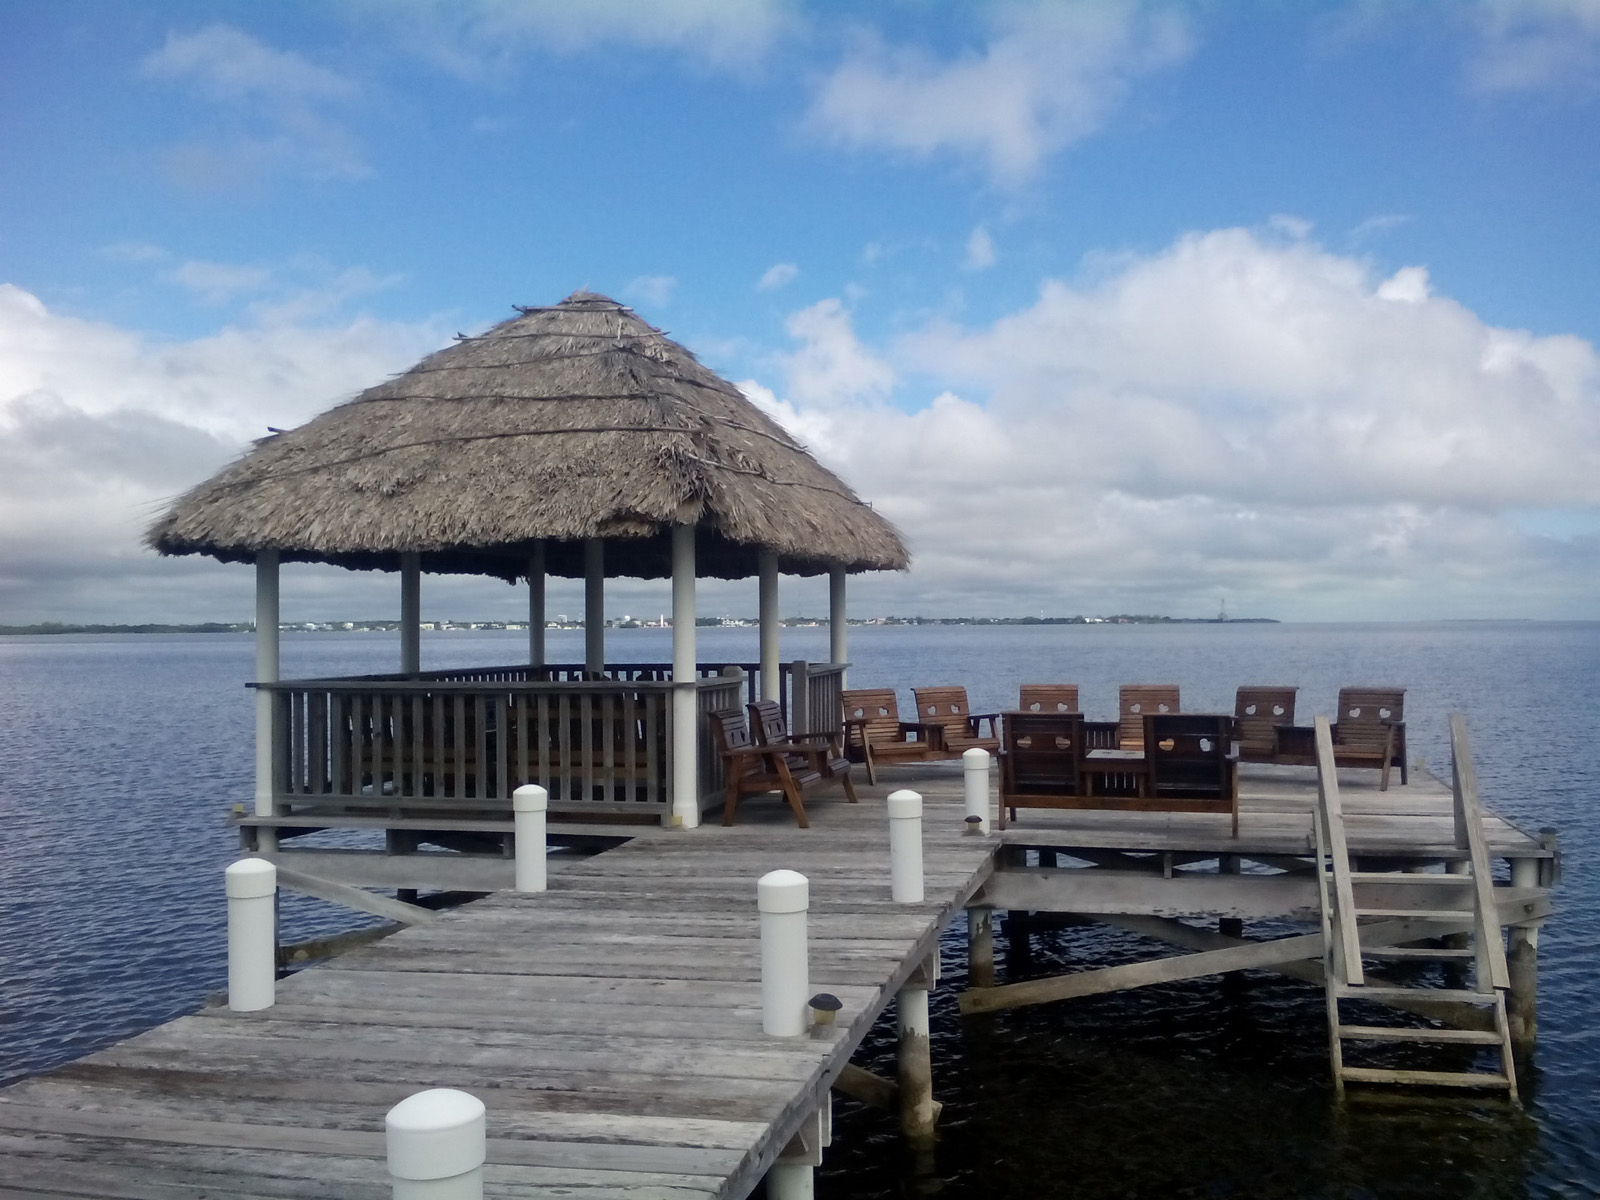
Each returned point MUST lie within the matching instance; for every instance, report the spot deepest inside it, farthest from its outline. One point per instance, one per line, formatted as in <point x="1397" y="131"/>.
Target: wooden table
<point x="1102" y="763"/>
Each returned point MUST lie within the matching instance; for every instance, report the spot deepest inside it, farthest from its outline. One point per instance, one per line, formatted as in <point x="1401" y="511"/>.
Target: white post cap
<point x="904" y="804"/>
<point x="530" y="797"/>
<point x="249" y="878"/>
<point x="976" y="758"/>
<point x="436" y="1134"/>
<point x="783" y="892"/>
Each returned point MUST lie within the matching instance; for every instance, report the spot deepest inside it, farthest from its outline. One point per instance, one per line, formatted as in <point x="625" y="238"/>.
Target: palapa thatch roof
<point x="564" y="423"/>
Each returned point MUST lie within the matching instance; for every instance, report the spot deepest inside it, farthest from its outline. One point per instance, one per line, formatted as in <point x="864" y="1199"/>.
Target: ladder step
<point x="1418" y="914"/>
<point x="1403" y="877"/>
<point x="1390" y="1033"/>
<point x="1386" y="995"/>
<point x="1426" y="953"/>
<point x="1460" y="1079"/>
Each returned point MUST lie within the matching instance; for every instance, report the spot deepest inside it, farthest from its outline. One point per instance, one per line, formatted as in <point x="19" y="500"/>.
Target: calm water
<point x="120" y="756"/>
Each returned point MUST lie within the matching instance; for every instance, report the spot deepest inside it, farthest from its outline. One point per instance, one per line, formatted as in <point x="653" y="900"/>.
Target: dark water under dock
<point x="118" y="757"/>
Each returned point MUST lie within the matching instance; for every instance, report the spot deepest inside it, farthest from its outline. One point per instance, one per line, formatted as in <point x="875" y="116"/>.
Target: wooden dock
<point x="612" y="1025"/>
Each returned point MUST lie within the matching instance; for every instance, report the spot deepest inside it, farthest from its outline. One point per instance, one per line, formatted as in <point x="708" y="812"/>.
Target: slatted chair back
<point x="876" y="713"/>
<point x="1049" y="697"/>
<point x="766" y="722"/>
<point x="1367" y="716"/>
<point x="1041" y="753"/>
<point x="1135" y="701"/>
<point x="1191" y="762"/>
<point x="729" y="729"/>
<point x="948" y="706"/>
<point x="1041" y="761"/>
<point x="1259" y="711"/>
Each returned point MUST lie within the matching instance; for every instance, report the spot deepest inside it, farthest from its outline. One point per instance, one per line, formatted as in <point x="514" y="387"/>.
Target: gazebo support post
<point x="410" y="612"/>
<point x="594" y="606"/>
<point x="685" y="734"/>
<point x="266" y="672"/>
<point x="837" y="624"/>
<point x="767" y="573"/>
<point x="536" y="606"/>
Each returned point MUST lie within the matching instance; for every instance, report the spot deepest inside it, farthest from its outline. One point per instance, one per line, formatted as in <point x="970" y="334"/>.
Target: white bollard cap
<point x="249" y="878"/>
<point x="530" y="797"/>
<point x="975" y="759"/>
<point x="783" y="892"/>
<point x="436" y="1134"/>
<point x="903" y="804"/>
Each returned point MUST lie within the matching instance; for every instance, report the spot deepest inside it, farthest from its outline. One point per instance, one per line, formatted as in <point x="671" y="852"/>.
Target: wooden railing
<point x="460" y="741"/>
<point x="405" y="746"/>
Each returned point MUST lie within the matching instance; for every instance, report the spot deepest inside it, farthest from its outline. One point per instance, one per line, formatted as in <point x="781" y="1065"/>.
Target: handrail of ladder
<point x="1331" y="811"/>
<point x="1469" y="832"/>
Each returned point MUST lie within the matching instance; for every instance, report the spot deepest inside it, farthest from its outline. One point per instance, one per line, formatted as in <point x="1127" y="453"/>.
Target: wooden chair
<point x="1041" y="762"/>
<point x="753" y="770"/>
<point x="1190" y="764"/>
<point x="822" y="750"/>
<point x="1049" y="697"/>
<point x="874" y="732"/>
<point x="1371" y="731"/>
<point x="1258" y="711"/>
<point x="1135" y="701"/>
<point x="947" y="706"/>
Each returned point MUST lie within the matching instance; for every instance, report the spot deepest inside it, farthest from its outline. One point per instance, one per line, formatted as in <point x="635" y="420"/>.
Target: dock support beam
<point x="1522" y="965"/>
<point x="536" y="578"/>
<point x="916" y="1062"/>
<point x="767" y="618"/>
<point x="980" y="947"/>
<point x="410" y="612"/>
<point x="1228" y="864"/>
<point x="594" y="604"/>
<point x="267" y="671"/>
<point x="685" y="673"/>
<point x="838" y="626"/>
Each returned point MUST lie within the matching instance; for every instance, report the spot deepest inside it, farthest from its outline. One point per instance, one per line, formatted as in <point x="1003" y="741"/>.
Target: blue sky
<point x="1111" y="306"/>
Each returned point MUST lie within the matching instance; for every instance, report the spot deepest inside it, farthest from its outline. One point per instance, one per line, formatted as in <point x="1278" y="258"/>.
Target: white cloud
<point x="832" y="367"/>
<point x="653" y="290"/>
<point x="1238" y="414"/>
<point x="100" y="426"/>
<point x="778" y="275"/>
<point x="228" y="64"/>
<point x="1051" y="76"/>
<point x="268" y="105"/>
<point x="1527" y="45"/>
<point x="469" y="37"/>
<point x="980" y="250"/>
<point x="219" y="282"/>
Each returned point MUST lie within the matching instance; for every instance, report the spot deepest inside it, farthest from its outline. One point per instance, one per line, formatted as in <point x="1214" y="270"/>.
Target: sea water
<point x="121" y="756"/>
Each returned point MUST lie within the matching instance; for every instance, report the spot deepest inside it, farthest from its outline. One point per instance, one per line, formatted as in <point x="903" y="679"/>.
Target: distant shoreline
<point x="58" y="627"/>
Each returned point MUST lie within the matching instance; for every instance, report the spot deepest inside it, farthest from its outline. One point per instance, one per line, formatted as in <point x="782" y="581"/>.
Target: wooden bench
<point x="825" y="749"/>
<point x="753" y="770"/>
<point x="1259" y="711"/>
<point x="963" y="728"/>
<point x="874" y="732"/>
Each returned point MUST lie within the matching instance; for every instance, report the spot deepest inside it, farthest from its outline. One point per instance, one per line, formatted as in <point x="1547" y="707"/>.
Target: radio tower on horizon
<point x="1222" y="614"/>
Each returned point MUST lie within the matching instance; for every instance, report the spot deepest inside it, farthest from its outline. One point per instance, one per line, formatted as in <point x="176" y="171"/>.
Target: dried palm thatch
<point x="564" y="423"/>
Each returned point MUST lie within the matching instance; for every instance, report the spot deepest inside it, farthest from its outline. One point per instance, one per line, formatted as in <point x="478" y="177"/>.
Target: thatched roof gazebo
<point x="576" y="440"/>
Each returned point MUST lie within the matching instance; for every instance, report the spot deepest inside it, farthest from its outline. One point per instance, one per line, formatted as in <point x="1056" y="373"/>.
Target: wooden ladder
<point x="1436" y="905"/>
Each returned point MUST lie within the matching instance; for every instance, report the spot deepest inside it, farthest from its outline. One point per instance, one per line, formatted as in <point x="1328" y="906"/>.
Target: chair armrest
<point x="932" y="733"/>
<point x="976" y="719"/>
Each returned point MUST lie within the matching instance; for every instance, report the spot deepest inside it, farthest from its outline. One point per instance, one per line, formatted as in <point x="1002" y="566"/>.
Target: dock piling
<point x="252" y="888"/>
<point x="437" y="1141"/>
<point x="915" y="1063"/>
<point x="975" y="782"/>
<point x="980" y="947"/>
<point x="905" y="847"/>
<point x="1522" y="966"/>
<point x="782" y="898"/>
<point x="529" y="804"/>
